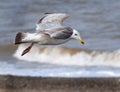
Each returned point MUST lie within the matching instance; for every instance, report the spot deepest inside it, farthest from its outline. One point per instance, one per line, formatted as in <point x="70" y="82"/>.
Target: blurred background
<point x="98" y="21"/>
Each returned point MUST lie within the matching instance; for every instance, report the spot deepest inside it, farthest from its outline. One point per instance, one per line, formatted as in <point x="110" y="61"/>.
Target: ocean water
<point x="97" y="21"/>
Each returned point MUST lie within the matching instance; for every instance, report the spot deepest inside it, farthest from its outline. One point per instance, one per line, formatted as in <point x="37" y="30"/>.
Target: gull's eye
<point x="75" y="34"/>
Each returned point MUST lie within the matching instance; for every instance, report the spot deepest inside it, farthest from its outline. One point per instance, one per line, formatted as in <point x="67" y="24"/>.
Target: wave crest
<point x="67" y="56"/>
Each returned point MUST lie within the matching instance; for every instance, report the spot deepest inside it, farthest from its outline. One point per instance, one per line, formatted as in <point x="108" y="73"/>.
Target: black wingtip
<point x="48" y="13"/>
<point x="40" y="20"/>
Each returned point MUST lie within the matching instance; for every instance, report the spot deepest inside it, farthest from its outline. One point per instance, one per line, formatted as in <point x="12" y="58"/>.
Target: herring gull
<point x="49" y="31"/>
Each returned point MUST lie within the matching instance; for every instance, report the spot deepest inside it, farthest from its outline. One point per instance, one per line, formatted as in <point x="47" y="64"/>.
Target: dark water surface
<point x="97" y="20"/>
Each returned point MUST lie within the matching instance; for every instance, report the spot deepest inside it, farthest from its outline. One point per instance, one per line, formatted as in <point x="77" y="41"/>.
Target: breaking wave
<point x="68" y="56"/>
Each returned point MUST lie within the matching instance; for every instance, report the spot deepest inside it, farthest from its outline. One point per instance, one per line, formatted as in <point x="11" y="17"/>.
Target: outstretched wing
<point x="60" y="33"/>
<point x="51" y="21"/>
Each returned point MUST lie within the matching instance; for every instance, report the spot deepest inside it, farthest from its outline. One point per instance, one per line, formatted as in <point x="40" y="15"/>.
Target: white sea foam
<point x="12" y="69"/>
<point x="57" y="55"/>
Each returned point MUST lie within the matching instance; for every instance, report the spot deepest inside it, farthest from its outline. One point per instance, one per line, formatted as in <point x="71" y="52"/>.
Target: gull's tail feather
<point x="18" y="38"/>
<point x="25" y="38"/>
<point x="21" y="38"/>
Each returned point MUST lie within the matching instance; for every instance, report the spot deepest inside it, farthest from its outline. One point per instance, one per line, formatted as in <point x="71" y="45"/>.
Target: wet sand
<point x="39" y="84"/>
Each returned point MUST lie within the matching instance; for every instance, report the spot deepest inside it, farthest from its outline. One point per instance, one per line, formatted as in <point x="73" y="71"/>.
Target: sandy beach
<point x="39" y="84"/>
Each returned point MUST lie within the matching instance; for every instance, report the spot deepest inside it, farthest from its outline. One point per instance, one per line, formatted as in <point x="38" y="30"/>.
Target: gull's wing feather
<point x="61" y="33"/>
<point x="51" y="21"/>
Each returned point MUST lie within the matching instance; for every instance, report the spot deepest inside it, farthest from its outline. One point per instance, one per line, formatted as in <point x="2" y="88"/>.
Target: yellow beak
<point x="80" y="40"/>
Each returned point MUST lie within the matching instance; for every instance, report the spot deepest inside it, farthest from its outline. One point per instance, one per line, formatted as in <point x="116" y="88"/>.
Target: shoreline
<point x="49" y="84"/>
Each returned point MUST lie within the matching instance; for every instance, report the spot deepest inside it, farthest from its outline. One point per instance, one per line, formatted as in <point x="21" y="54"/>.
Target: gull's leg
<point x="27" y="49"/>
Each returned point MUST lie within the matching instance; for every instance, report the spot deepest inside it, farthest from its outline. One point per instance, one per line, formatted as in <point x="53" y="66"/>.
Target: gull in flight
<point x="49" y="31"/>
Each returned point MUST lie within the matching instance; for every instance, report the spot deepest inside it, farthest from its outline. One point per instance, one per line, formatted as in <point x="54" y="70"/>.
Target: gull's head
<point x="76" y="35"/>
